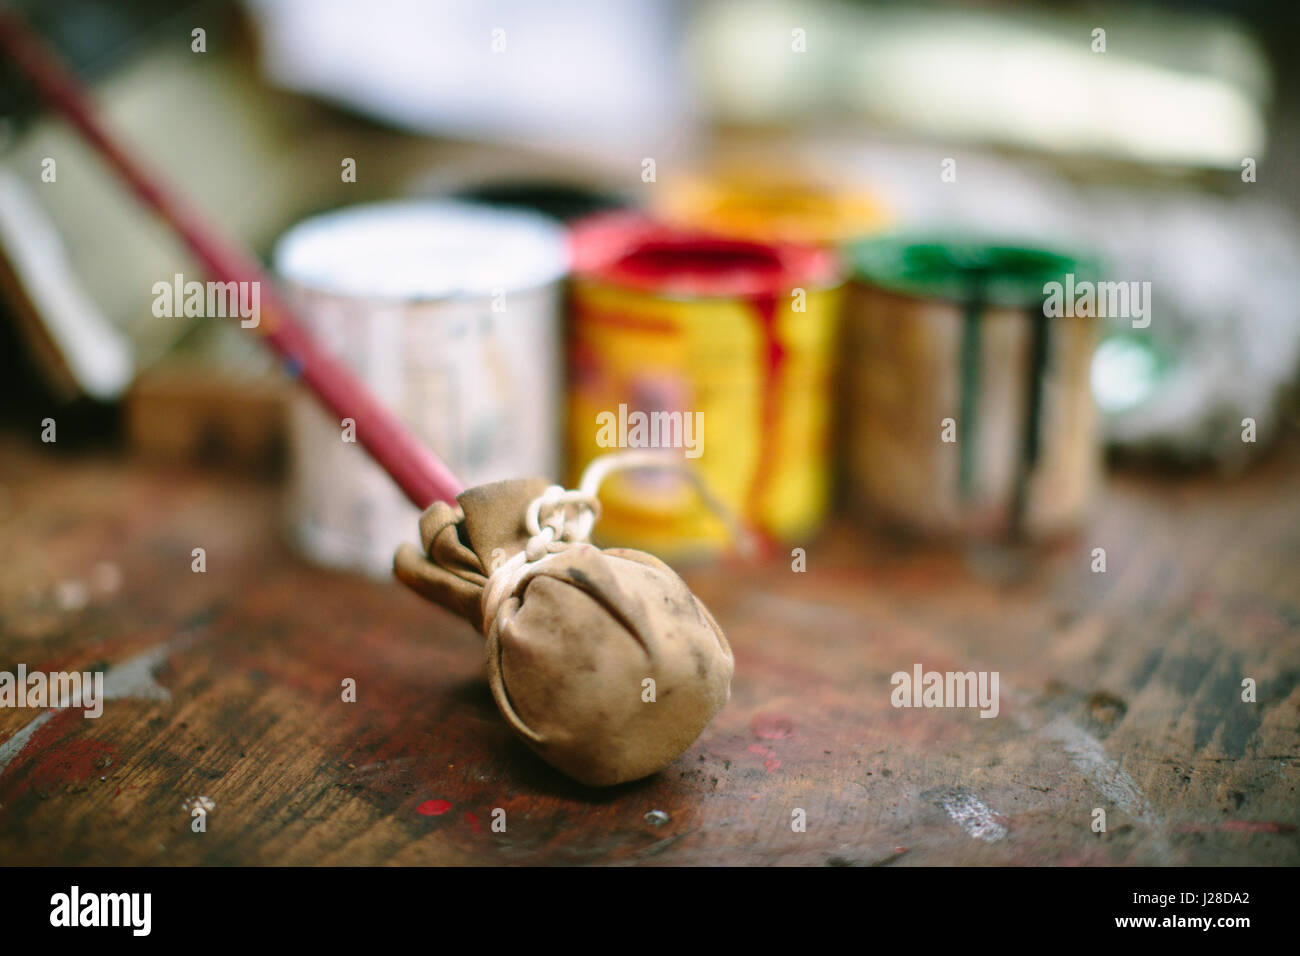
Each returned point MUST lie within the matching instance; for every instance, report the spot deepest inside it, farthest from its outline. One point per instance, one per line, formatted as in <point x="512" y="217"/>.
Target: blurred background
<point x="1157" y="139"/>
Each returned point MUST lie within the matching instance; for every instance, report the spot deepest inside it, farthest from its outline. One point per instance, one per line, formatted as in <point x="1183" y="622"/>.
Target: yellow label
<point x="754" y="381"/>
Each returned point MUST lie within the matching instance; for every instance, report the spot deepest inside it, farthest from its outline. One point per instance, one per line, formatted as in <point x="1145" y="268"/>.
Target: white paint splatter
<point x="971" y="814"/>
<point x="134" y="676"/>
<point x="71" y="595"/>
<point x="1089" y="756"/>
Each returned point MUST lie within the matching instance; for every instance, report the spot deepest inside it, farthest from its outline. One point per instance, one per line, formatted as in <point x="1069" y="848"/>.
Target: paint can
<point x="766" y="205"/>
<point x="966" y="407"/>
<point x="449" y="312"/>
<point x="736" y="336"/>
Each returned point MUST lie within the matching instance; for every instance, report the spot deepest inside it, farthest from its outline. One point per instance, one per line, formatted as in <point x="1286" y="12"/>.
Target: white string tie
<point x="559" y="519"/>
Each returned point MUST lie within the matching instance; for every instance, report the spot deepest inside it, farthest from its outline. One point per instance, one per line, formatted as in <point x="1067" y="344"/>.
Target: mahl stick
<point x="416" y="469"/>
<point x="603" y="662"/>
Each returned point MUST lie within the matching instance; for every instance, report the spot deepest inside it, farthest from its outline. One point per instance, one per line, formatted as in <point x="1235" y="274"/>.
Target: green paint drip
<point x="1031" y="442"/>
<point x="968" y="436"/>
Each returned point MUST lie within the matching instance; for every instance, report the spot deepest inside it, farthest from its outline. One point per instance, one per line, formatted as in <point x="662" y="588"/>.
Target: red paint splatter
<point x="772" y="727"/>
<point x="1240" y="826"/>
<point x="433" y="808"/>
<point x="473" y="821"/>
<point x="42" y="742"/>
<point x="770" y="761"/>
<point x="69" y="764"/>
<point x="76" y="762"/>
<point x="1260" y="826"/>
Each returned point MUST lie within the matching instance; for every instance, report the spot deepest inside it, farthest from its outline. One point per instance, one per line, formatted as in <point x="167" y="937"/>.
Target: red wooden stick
<point x="416" y="469"/>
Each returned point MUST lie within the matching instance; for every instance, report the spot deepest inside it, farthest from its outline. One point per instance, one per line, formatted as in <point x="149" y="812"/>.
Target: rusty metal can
<point x="966" y="406"/>
<point x="450" y="313"/>
<point x="730" y="338"/>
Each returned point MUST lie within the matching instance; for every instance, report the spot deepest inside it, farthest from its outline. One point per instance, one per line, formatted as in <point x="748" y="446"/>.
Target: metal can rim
<point x="472" y="251"/>
<point x="617" y="249"/>
<point x="999" y="272"/>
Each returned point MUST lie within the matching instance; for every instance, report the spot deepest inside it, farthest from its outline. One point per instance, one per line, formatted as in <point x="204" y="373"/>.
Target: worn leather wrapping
<point x="568" y="667"/>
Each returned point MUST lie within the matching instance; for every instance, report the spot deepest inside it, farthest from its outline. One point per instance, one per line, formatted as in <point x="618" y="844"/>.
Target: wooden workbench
<point x="1119" y="690"/>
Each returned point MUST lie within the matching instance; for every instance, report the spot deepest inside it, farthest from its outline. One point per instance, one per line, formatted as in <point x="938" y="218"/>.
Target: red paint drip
<point x="433" y="808"/>
<point x="772" y="355"/>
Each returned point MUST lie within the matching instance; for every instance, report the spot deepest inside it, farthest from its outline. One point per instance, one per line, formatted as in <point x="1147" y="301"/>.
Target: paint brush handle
<point x="415" y="469"/>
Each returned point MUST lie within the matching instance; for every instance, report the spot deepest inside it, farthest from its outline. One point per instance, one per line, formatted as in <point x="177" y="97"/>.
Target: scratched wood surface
<point x="1118" y="690"/>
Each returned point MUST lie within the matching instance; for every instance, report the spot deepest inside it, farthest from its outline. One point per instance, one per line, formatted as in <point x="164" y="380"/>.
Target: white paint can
<point x="450" y="313"/>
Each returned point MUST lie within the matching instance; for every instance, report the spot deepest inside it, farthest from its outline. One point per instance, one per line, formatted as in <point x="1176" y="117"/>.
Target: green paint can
<point x="965" y="404"/>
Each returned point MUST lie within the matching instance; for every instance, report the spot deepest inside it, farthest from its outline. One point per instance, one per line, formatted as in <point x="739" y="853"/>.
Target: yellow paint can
<point x="716" y="349"/>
